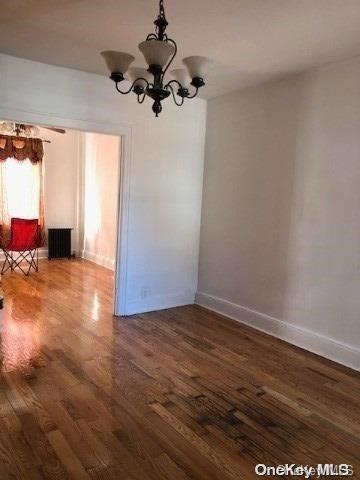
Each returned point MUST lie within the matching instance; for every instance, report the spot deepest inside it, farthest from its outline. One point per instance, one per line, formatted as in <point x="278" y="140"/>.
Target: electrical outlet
<point x="145" y="292"/>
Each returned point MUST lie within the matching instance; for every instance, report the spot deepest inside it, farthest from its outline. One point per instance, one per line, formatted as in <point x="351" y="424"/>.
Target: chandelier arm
<point x="120" y="91"/>
<point x="132" y="85"/>
<point x="173" y="81"/>
<point x="168" y="85"/>
<point x="141" y="100"/>
<point x="170" y="40"/>
<point x="174" y="98"/>
<point x="194" y="94"/>
<point x="151" y="36"/>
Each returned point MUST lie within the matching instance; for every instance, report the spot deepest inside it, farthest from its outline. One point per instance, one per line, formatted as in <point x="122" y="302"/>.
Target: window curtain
<point x="21" y="183"/>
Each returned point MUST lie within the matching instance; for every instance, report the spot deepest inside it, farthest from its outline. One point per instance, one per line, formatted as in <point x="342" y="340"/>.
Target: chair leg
<point x="33" y="261"/>
<point x="3" y="265"/>
<point x="7" y="264"/>
<point x="18" y="260"/>
<point x="28" y="270"/>
<point x="12" y="263"/>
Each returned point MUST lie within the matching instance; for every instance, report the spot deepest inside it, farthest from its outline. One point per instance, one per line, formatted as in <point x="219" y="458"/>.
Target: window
<point x="21" y="186"/>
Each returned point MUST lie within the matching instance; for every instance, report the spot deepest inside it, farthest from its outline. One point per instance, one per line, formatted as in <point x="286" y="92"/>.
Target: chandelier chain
<point x="162" y="9"/>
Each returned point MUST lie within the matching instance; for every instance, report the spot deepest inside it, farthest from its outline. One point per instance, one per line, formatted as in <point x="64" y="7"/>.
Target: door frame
<point x="125" y="152"/>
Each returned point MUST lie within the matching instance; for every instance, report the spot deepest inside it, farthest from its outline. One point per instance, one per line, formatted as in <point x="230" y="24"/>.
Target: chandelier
<point x="159" y="51"/>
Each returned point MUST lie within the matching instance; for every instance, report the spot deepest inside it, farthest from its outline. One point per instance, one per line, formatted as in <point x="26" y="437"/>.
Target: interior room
<point x="74" y="188"/>
<point x="180" y="239"/>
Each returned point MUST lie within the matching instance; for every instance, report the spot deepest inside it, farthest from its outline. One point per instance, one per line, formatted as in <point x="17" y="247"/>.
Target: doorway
<point x="87" y="182"/>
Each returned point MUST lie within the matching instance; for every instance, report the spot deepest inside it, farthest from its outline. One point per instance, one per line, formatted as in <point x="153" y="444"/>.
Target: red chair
<point x="25" y="241"/>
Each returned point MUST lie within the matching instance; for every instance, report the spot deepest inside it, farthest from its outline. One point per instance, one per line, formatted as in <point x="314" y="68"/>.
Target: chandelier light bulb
<point x="117" y="62"/>
<point x="182" y="76"/>
<point x="156" y="52"/>
<point x="197" y="66"/>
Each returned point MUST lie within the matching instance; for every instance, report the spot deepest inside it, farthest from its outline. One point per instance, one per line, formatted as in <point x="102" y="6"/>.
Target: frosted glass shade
<point x="182" y="76"/>
<point x="197" y="66"/>
<point x="136" y="72"/>
<point x="156" y="52"/>
<point x="117" y="61"/>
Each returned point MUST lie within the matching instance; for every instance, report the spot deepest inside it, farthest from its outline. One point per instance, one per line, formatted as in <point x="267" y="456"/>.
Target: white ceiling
<point x="250" y="40"/>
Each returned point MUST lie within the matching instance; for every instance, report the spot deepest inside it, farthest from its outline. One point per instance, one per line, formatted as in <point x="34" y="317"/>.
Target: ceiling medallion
<point x="159" y="51"/>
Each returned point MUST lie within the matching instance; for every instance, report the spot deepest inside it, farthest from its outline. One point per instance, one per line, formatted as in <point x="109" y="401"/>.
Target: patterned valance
<point x="21" y="148"/>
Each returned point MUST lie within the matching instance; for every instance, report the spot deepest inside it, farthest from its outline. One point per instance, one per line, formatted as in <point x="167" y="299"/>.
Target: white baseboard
<point x="159" y="302"/>
<point x="99" y="259"/>
<point x="43" y="253"/>
<point x="301" y="337"/>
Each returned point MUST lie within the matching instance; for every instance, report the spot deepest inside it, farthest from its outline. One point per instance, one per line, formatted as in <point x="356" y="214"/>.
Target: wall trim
<point x="98" y="259"/>
<point x="160" y="302"/>
<point x="314" y="342"/>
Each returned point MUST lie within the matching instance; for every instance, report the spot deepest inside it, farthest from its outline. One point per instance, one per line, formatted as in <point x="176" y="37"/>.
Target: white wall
<point x="166" y="170"/>
<point x="101" y="198"/>
<point x="280" y="235"/>
<point x="61" y="159"/>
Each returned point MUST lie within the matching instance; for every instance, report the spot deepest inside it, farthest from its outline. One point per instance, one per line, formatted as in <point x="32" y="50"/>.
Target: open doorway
<point x="81" y="192"/>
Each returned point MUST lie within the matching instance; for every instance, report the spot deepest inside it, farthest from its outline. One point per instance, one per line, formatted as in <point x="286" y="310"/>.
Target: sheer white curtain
<point x="21" y="182"/>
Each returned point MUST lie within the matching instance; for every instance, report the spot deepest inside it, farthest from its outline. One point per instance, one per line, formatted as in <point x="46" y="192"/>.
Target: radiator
<point x="59" y="243"/>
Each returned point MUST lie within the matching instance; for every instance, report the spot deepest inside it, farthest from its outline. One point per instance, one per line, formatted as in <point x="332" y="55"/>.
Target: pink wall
<point x="102" y="157"/>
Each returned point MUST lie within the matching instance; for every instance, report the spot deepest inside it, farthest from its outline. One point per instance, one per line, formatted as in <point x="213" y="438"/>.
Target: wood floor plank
<point x="180" y="394"/>
<point x="68" y="458"/>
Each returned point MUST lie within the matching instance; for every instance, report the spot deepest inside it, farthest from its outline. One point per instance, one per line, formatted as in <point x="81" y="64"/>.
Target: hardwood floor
<point x="177" y="394"/>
